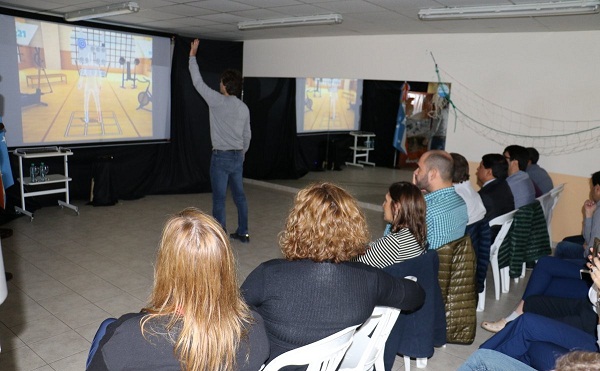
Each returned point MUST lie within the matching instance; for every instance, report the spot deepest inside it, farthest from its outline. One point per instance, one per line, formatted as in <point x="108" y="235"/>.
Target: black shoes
<point x="243" y="238"/>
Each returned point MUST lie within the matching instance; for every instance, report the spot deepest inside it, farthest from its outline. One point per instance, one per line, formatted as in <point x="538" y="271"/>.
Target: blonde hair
<point x="196" y="291"/>
<point x="325" y="224"/>
<point x="578" y="360"/>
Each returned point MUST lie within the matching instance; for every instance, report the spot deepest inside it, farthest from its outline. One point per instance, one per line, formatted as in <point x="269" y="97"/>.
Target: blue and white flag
<point x="400" y="133"/>
<point x="7" y="177"/>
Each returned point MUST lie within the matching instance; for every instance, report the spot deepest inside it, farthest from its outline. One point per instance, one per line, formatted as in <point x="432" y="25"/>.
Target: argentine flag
<point x="400" y="133"/>
<point x="7" y="177"/>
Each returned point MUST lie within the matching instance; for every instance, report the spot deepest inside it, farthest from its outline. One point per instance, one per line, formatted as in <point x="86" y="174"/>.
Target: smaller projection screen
<point x="64" y="84"/>
<point x="328" y="104"/>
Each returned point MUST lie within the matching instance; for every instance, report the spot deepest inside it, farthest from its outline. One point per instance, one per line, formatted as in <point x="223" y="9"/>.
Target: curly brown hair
<point x="325" y="224"/>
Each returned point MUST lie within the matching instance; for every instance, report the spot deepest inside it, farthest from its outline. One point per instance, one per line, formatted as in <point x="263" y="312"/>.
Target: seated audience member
<point x="538" y="175"/>
<point x="404" y="208"/>
<point x="519" y="182"/>
<point x="460" y="178"/>
<point x="537" y="339"/>
<point x="551" y="277"/>
<point x="316" y="291"/>
<point x="196" y="318"/>
<point x="495" y="192"/>
<point x="577" y="247"/>
<point x="446" y="215"/>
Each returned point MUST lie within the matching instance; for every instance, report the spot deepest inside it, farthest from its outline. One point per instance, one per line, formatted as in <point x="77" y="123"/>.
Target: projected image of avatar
<point x="81" y="84"/>
<point x="92" y="59"/>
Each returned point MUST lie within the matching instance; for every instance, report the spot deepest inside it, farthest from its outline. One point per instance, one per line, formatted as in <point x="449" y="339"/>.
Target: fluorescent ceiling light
<point x="309" y="20"/>
<point x="510" y="11"/>
<point x="102" y="11"/>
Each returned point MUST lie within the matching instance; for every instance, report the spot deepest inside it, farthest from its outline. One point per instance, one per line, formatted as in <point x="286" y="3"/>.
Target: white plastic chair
<point x="505" y="221"/>
<point x="323" y="355"/>
<point x="368" y="345"/>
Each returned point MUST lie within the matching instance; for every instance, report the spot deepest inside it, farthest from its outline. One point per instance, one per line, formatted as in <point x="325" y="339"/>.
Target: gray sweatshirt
<point x="229" y="116"/>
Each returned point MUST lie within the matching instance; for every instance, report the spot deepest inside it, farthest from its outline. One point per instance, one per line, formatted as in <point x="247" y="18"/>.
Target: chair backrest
<point x="324" y="355"/>
<point x="555" y="194"/>
<point x="547" y="202"/>
<point x="505" y="221"/>
<point x="369" y="341"/>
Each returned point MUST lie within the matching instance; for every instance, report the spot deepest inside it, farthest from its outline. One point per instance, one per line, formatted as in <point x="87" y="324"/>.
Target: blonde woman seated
<point x="196" y="318"/>
<point x="404" y="208"/>
<point x="316" y="291"/>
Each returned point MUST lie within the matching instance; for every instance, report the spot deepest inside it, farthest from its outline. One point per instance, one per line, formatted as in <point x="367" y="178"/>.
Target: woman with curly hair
<point x="196" y="319"/>
<point x="316" y="291"/>
<point x="404" y="208"/>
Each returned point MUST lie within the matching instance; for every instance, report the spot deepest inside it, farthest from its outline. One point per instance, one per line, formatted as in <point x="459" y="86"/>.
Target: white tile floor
<point x="71" y="272"/>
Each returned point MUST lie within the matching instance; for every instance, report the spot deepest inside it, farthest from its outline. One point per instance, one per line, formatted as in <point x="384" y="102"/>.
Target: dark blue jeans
<point x="556" y="277"/>
<point x="537" y="341"/>
<point x="571" y="248"/>
<point x="226" y="169"/>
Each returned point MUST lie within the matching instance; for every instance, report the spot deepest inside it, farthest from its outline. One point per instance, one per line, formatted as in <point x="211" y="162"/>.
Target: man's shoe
<point x="243" y="238"/>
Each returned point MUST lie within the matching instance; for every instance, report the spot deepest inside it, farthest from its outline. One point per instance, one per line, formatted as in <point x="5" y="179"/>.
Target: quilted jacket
<point x="457" y="282"/>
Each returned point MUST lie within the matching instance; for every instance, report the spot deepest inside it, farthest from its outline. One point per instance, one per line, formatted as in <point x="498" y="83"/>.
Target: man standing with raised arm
<point x="230" y="137"/>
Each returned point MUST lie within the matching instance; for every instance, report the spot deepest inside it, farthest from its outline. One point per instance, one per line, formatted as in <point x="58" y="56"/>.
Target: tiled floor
<point x="71" y="272"/>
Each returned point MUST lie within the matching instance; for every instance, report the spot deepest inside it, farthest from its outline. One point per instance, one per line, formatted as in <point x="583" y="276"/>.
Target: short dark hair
<point x="232" y="81"/>
<point x="461" y="168"/>
<point x="518" y="153"/>
<point x="497" y="163"/>
<point x="596" y="178"/>
<point x="442" y="162"/>
<point x="534" y="155"/>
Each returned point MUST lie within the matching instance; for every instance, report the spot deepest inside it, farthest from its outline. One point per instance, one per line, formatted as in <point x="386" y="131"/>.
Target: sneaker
<point x="243" y="238"/>
<point x="494" y="326"/>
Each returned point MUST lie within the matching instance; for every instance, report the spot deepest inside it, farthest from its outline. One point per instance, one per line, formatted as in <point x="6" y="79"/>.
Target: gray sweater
<point x="229" y="116"/>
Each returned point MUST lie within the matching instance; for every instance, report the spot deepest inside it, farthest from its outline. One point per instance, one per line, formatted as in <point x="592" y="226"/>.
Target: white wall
<point x="550" y="75"/>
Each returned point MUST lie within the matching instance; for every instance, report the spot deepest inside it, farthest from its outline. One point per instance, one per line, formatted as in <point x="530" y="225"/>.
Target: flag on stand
<point x="400" y="133"/>
<point x="5" y="170"/>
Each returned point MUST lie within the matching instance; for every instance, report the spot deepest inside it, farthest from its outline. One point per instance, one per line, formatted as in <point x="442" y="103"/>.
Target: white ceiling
<point x="217" y="19"/>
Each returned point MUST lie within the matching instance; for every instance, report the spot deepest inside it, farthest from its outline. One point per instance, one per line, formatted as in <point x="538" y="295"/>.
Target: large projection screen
<point x="327" y="104"/>
<point x="63" y="84"/>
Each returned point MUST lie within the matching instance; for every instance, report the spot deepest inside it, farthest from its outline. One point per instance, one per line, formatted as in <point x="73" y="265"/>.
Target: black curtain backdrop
<point x="274" y="152"/>
<point x="381" y="100"/>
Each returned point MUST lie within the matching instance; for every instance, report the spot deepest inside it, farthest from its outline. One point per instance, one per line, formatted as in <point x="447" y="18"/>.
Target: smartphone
<point x="584" y="272"/>
<point x="585" y="275"/>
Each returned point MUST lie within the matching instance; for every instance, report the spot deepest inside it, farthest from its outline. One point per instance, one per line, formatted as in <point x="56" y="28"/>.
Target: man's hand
<point x="589" y="206"/>
<point x="194" y="47"/>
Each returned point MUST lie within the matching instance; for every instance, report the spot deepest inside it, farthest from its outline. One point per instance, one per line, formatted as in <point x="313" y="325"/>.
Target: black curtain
<point x="183" y="165"/>
<point x="274" y="151"/>
<point x="381" y="100"/>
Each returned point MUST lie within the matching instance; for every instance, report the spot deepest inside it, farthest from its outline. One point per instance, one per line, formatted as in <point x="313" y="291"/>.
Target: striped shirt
<point x="446" y="217"/>
<point x="391" y="249"/>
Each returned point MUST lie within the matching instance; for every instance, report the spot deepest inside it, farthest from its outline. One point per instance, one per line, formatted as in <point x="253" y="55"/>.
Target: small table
<point x="60" y="179"/>
<point x="363" y="144"/>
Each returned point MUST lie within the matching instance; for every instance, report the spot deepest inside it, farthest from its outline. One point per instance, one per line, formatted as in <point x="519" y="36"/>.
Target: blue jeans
<point x="538" y="341"/>
<point x="491" y="360"/>
<point x="226" y="169"/>
<point x="570" y="250"/>
<point x="556" y="277"/>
